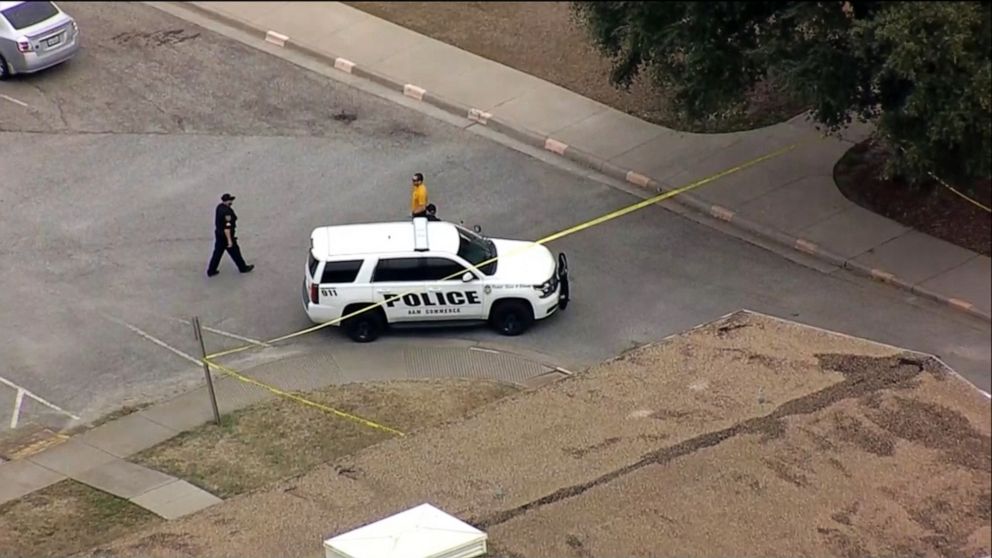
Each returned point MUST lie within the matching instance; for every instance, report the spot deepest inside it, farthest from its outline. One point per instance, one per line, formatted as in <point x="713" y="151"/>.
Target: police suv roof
<point x="376" y="238"/>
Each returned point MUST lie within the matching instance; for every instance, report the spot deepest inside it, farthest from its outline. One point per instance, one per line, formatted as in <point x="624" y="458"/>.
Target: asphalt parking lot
<point x="112" y="165"/>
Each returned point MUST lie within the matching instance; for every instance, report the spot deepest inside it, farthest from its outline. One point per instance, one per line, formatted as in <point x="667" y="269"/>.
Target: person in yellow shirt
<point x="418" y="196"/>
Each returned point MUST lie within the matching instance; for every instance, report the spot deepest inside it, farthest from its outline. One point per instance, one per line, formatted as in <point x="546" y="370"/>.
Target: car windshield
<point x="29" y="13"/>
<point x="475" y="250"/>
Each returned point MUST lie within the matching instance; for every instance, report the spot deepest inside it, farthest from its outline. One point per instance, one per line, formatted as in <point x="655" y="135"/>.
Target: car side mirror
<point x="468" y="277"/>
<point x="477" y="229"/>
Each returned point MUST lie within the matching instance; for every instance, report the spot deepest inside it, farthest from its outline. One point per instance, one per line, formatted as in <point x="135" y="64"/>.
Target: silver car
<point x="35" y="36"/>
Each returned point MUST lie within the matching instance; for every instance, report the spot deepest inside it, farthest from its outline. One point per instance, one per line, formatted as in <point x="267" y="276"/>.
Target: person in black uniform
<point x="225" y="224"/>
<point x="431" y="213"/>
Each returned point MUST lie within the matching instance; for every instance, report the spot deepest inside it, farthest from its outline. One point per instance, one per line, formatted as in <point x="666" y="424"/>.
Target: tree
<point x="920" y="70"/>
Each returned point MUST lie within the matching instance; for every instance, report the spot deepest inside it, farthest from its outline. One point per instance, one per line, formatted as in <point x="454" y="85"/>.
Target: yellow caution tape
<point x="966" y="198"/>
<point x="667" y="195"/>
<point x="951" y="188"/>
<point x="299" y="399"/>
<point x="570" y="231"/>
<point x="556" y="236"/>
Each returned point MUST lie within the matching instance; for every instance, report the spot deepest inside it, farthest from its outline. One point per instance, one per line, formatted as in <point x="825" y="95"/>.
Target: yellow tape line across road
<point x="558" y="235"/>
<point x="669" y="194"/>
<point x="550" y="238"/>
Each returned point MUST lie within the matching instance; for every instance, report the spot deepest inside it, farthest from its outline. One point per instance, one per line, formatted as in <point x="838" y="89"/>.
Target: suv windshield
<point x="475" y="250"/>
<point x="29" y="13"/>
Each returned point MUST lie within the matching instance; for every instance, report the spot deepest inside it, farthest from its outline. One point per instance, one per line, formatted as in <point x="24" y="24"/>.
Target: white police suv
<point x="420" y="271"/>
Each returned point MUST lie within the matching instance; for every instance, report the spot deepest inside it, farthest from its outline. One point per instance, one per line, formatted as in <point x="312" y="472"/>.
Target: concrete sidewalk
<point x="790" y="200"/>
<point x="98" y="457"/>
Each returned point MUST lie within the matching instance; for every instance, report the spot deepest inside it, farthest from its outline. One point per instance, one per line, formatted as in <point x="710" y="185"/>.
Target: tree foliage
<point x="920" y="70"/>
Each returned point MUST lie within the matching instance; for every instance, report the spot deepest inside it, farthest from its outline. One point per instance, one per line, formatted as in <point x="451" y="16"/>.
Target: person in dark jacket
<point x="225" y="237"/>
<point x="431" y="213"/>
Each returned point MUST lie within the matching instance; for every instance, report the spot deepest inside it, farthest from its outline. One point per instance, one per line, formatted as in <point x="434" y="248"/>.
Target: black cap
<point x="418" y="177"/>
<point x="227" y="197"/>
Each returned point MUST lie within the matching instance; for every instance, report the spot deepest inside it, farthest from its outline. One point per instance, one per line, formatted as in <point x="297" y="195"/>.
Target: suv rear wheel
<point x="511" y="317"/>
<point x="365" y="327"/>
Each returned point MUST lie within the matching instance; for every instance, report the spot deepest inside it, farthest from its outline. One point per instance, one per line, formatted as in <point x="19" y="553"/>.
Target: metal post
<point x="206" y="368"/>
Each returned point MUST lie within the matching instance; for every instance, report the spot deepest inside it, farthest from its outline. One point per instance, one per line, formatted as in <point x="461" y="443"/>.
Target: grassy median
<point x="281" y="438"/>
<point x="252" y="448"/>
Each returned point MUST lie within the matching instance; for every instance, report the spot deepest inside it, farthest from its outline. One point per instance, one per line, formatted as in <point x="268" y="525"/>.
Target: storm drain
<point x="472" y="363"/>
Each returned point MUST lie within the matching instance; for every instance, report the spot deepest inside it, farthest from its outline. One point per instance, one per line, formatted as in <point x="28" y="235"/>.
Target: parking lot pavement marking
<point x="19" y="401"/>
<point x="224" y="333"/>
<point x="15" y="101"/>
<point x="153" y="339"/>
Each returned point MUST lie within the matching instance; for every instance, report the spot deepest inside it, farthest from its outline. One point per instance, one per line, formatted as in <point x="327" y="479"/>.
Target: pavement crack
<point x="175" y="119"/>
<point x="58" y="105"/>
<point x="65" y="122"/>
<point x="864" y="376"/>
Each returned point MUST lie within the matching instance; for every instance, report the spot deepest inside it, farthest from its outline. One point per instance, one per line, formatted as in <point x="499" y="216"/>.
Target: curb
<point x="566" y="151"/>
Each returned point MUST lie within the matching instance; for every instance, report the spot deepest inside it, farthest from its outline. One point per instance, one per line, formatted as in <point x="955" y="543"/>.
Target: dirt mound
<point x="750" y="436"/>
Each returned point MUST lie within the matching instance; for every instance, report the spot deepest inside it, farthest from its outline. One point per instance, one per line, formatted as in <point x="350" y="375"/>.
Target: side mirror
<point x="477" y="229"/>
<point x="468" y="277"/>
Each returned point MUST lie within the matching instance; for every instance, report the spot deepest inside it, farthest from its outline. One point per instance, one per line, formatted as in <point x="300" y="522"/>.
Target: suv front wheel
<point x="511" y="317"/>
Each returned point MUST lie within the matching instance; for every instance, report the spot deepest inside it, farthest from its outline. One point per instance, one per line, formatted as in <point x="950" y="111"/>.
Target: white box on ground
<point x="420" y="532"/>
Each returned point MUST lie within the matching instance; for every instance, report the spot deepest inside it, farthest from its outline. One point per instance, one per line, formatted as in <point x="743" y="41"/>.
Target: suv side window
<point x="341" y="272"/>
<point x="399" y="269"/>
<point x="438" y="269"/>
<point x="312" y="264"/>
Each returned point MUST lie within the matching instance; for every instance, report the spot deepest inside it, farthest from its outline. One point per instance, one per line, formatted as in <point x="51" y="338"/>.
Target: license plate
<point x="54" y="40"/>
